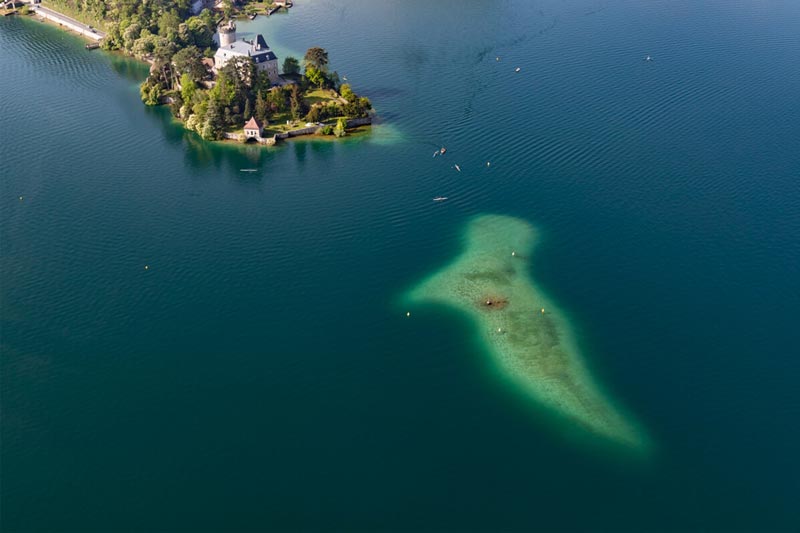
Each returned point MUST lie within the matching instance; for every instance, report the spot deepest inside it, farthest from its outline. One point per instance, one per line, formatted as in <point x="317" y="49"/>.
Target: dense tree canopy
<point x="291" y="65"/>
<point x="175" y="43"/>
<point x="317" y="58"/>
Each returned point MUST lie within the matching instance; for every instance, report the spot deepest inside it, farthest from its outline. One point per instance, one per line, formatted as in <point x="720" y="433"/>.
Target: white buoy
<point x="499" y="330"/>
<point x="513" y="254"/>
<point x="20" y="198"/>
<point x="488" y="164"/>
<point x="542" y="310"/>
<point x="408" y="313"/>
<point x="147" y="267"/>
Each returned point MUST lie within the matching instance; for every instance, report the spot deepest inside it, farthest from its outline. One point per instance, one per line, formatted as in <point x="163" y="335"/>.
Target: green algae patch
<point x="523" y="332"/>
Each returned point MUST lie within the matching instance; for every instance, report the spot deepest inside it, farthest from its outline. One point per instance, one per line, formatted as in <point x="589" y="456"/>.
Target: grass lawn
<point x="277" y="124"/>
<point x="320" y="95"/>
<point x="257" y="7"/>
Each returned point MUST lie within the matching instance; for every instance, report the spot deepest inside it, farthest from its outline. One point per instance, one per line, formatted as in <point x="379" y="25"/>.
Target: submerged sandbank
<point x="522" y="331"/>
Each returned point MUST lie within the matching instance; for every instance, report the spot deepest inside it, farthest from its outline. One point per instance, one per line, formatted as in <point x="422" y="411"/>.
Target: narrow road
<point x="69" y="22"/>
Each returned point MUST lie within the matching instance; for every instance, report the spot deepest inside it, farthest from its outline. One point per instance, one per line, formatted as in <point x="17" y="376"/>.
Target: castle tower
<point x="227" y="34"/>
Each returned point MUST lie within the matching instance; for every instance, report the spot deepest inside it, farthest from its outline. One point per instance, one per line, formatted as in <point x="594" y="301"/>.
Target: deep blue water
<point x="261" y="375"/>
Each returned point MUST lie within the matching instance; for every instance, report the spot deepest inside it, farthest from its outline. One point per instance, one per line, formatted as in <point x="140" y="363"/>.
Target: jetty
<point x="278" y="4"/>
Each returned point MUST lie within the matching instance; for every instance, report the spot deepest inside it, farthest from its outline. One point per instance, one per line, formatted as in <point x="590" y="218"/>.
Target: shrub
<point x="341" y="128"/>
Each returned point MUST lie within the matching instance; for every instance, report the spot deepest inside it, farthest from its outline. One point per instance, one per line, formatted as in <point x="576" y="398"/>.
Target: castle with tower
<point x="257" y="49"/>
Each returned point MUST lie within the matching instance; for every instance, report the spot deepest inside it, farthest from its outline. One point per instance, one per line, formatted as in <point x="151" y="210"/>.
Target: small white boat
<point x="648" y="58"/>
<point x="248" y="170"/>
<point x="435" y="153"/>
<point x="440" y="199"/>
<point x="517" y="69"/>
<point x="458" y="168"/>
<point x="442" y="150"/>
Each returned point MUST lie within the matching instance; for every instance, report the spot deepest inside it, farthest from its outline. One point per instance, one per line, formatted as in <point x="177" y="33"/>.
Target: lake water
<point x="261" y="373"/>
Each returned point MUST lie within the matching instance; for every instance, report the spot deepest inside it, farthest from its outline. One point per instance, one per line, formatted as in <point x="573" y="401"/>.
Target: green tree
<point x="168" y="24"/>
<point x="189" y="61"/>
<point x="248" y="112"/>
<point x="188" y="88"/>
<point x="291" y="65"/>
<point x="276" y="99"/>
<point x="313" y="115"/>
<point x="365" y="105"/>
<point x="317" y="58"/>
<point x="347" y="93"/>
<point x="242" y="72"/>
<point x="315" y="76"/>
<point x="145" y="45"/>
<point x="130" y="35"/>
<point x="113" y="40"/>
<point x="262" y="108"/>
<point x="151" y="94"/>
<point x="201" y="30"/>
<point x="215" y="117"/>
<point x="341" y="128"/>
<point x="208" y="132"/>
<point x="296" y="105"/>
<point x="332" y="80"/>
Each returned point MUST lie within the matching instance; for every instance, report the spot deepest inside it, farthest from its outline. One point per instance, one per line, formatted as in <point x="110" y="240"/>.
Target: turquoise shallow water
<point x="262" y="374"/>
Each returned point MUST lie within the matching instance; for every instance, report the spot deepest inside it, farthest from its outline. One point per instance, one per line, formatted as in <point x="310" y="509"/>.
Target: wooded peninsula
<point x="216" y="92"/>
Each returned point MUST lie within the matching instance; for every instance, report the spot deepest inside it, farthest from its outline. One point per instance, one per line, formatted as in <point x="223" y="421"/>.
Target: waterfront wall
<point x="62" y="21"/>
<point x="269" y="141"/>
<point x="352" y="123"/>
<point x="355" y="122"/>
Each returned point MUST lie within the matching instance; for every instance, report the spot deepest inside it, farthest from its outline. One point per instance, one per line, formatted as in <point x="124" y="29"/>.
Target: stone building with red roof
<point x="253" y="129"/>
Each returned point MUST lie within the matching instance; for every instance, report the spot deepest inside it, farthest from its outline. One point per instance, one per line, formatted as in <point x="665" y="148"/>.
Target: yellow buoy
<point x="542" y="310"/>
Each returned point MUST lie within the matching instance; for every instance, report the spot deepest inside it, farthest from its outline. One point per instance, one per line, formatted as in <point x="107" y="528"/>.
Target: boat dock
<point x="278" y="4"/>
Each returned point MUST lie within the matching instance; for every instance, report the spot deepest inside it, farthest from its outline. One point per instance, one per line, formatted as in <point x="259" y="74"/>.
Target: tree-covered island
<point x="213" y="94"/>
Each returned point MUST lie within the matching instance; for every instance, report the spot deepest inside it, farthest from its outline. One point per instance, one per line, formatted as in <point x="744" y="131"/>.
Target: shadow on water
<point x="241" y="159"/>
<point x="128" y="68"/>
<point x="201" y="154"/>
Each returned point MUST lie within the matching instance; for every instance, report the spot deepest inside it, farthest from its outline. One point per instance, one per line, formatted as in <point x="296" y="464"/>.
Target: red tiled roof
<point x="252" y="124"/>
